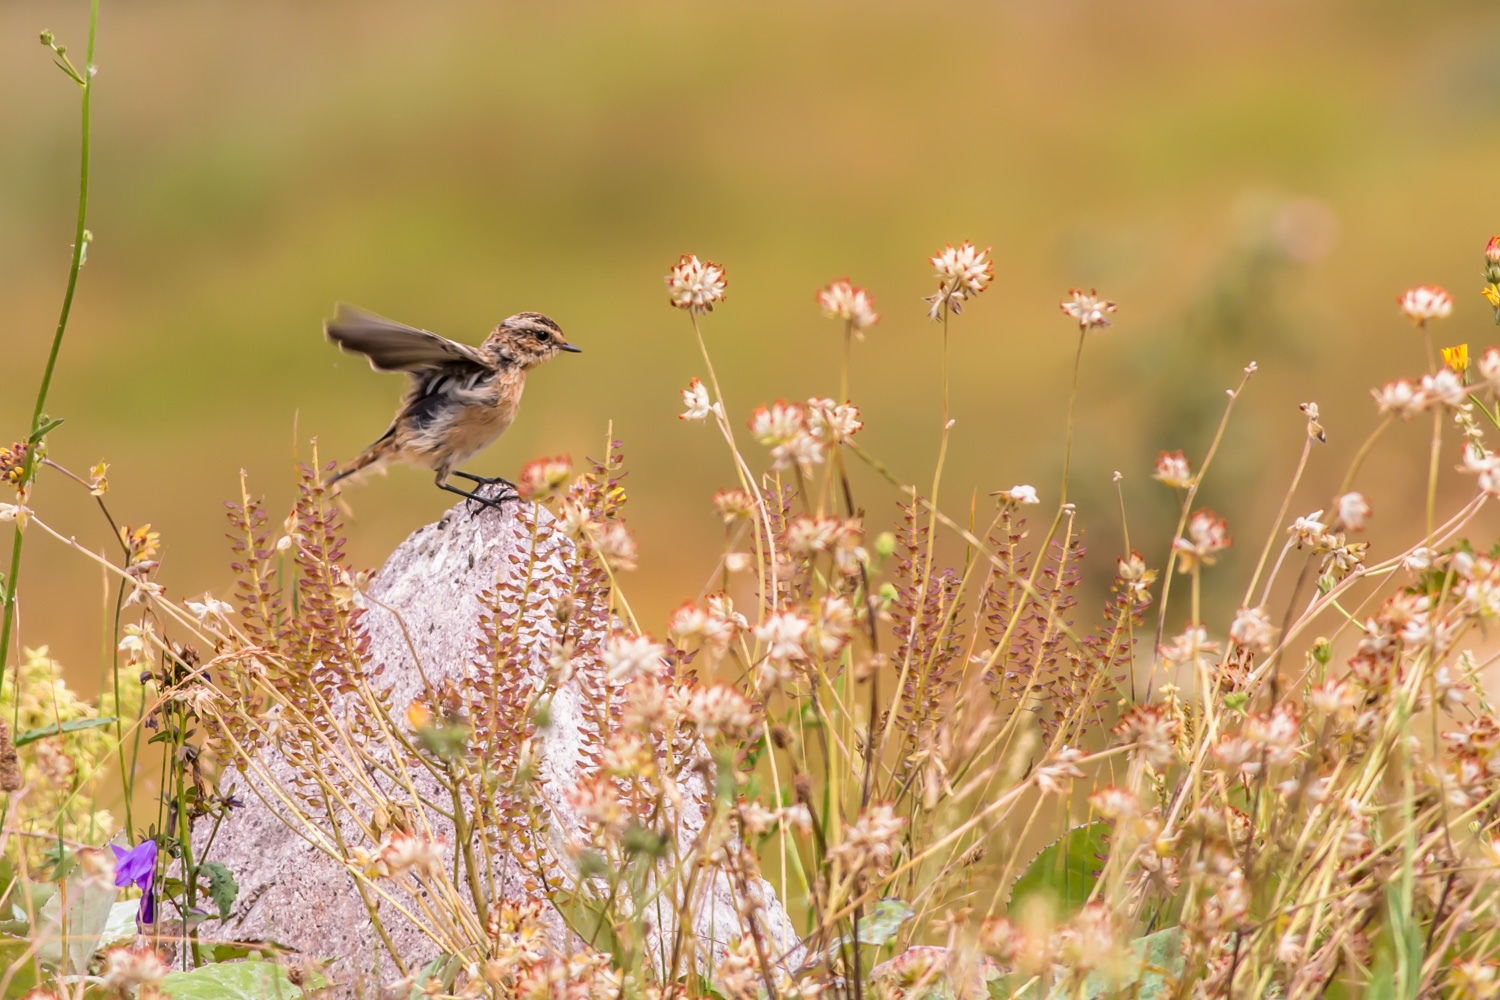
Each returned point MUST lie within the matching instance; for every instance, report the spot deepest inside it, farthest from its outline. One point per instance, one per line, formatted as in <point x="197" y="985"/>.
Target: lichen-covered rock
<point x="427" y="600"/>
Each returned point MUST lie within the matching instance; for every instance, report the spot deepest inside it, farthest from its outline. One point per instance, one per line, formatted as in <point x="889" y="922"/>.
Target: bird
<point x="460" y="398"/>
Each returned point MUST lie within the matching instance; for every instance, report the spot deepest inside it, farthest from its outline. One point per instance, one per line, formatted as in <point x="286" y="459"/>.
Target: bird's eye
<point x="544" y="336"/>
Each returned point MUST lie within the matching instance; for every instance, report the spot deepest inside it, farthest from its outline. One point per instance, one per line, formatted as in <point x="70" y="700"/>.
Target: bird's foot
<point x="484" y="480"/>
<point x="504" y="496"/>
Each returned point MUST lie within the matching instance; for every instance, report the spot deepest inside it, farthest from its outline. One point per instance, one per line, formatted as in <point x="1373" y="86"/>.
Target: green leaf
<point x="47" y="427"/>
<point x="88" y="911"/>
<point x="1066" y="869"/>
<point x="222" y="888"/>
<point x="880" y="925"/>
<point x="444" y="969"/>
<point x="255" y="979"/>
<point x="12" y="951"/>
<point x="1156" y="977"/>
<point x="57" y="729"/>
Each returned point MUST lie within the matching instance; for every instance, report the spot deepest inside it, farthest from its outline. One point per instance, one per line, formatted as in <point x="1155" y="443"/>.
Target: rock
<point x="295" y="894"/>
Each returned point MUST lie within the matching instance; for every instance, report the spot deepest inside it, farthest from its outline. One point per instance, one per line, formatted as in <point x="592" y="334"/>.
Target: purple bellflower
<point x="137" y="866"/>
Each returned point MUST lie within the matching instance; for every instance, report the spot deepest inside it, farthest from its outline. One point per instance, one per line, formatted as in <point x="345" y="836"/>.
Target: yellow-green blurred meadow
<point x="1255" y="181"/>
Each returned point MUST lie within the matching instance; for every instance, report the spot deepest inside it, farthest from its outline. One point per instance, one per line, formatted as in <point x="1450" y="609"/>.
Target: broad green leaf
<point x="1159" y="966"/>
<point x="1066" y="869"/>
<point x="58" y="728"/>
<point x="120" y="927"/>
<point x="87" y="914"/>
<point x="222" y="888"/>
<point x="15" y="954"/>
<point x="254" y="979"/>
<point x="880" y="925"/>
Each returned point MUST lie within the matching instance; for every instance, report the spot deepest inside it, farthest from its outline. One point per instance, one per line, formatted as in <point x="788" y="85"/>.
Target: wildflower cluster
<point x="810" y="779"/>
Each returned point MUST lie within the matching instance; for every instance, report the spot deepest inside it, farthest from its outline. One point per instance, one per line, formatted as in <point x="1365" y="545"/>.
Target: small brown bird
<point x="461" y="398"/>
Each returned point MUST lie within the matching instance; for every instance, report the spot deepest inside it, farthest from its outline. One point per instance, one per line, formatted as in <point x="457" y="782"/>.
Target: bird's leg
<point x="483" y="480"/>
<point x="494" y="503"/>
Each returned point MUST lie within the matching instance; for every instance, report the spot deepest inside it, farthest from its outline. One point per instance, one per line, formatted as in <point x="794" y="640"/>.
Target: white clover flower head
<point x="834" y="626"/>
<point x="829" y="422"/>
<point x="1308" y="529"/>
<point x="734" y="504"/>
<point x="696" y="285"/>
<point x="842" y="301"/>
<point x="615" y="545"/>
<point x="1425" y="302"/>
<point x="719" y="709"/>
<point x="1445" y="387"/>
<point x="1419" y="560"/>
<point x="783" y="427"/>
<point x="784" y="634"/>
<point x="402" y="852"/>
<point x="962" y="272"/>
<point x="1252" y="630"/>
<point x="807" y="536"/>
<point x="1353" y="510"/>
<point x="1089" y="310"/>
<point x="128" y="968"/>
<point x="698" y="405"/>
<point x="1208" y="535"/>
<point x="209" y="607"/>
<point x="1051" y="773"/>
<point x="1189" y="646"/>
<point x="1485" y="466"/>
<point x="1489" y="367"/>
<point x="542" y="478"/>
<point x="1174" y="470"/>
<point x="1115" y="803"/>
<point x="1401" y="398"/>
<point x="1020" y="495"/>
<point x="630" y="656"/>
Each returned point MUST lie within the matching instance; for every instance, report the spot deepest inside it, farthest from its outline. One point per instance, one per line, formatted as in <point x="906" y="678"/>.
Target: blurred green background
<point x="1255" y="181"/>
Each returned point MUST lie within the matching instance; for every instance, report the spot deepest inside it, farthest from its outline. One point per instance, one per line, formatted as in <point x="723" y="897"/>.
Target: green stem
<point x="7" y="615"/>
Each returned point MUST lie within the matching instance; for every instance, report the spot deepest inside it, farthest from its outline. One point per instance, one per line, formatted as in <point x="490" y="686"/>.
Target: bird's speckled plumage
<point x="461" y="398"/>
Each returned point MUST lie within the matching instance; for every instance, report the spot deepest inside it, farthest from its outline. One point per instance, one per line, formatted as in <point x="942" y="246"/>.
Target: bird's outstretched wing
<point x="396" y="347"/>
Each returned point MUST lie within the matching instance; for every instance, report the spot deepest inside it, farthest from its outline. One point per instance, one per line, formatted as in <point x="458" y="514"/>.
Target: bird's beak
<point x="570" y="348"/>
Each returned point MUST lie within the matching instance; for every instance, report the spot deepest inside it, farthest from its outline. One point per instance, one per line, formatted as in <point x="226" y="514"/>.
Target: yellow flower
<point x="1457" y="358"/>
<point x="1492" y="292"/>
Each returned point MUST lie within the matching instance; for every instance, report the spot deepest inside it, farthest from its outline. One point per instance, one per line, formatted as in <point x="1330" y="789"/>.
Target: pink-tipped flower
<point x="962" y="272"/>
<point x="1492" y="250"/>
<point x="1252" y="629"/>
<point x="699" y="406"/>
<point x="1173" y="469"/>
<point x="1425" y="302"/>
<point x="1207" y="536"/>
<point x="1089" y="310"/>
<point x="734" y="504"/>
<point x="543" y="478"/>
<point x="1353" y="510"/>
<point x="404" y="852"/>
<point x="842" y="301"/>
<point x="1019" y="495"/>
<point x="696" y="285"/>
<point x="1400" y="397"/>
<point x="628" y="657"/>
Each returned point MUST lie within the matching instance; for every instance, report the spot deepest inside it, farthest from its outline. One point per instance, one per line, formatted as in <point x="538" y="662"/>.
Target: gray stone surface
<point x="291" y="891"/>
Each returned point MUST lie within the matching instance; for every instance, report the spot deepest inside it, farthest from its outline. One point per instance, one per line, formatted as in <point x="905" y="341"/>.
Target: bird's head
<point x="528" y="339"/>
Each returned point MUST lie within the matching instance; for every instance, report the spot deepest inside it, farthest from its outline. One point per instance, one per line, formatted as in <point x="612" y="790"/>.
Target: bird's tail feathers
<point x="377" y="452"/>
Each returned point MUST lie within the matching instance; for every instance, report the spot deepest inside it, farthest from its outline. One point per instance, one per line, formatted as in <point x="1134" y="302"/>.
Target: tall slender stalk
<point x="85" y="80"/>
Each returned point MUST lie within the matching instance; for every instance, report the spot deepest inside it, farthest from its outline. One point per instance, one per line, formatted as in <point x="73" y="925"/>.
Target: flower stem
<point x="7" y="612"/>
<point x="1072" y="407"/>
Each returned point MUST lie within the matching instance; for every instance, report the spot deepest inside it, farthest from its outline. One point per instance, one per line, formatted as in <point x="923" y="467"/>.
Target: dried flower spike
<point x="696" y="285"/>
